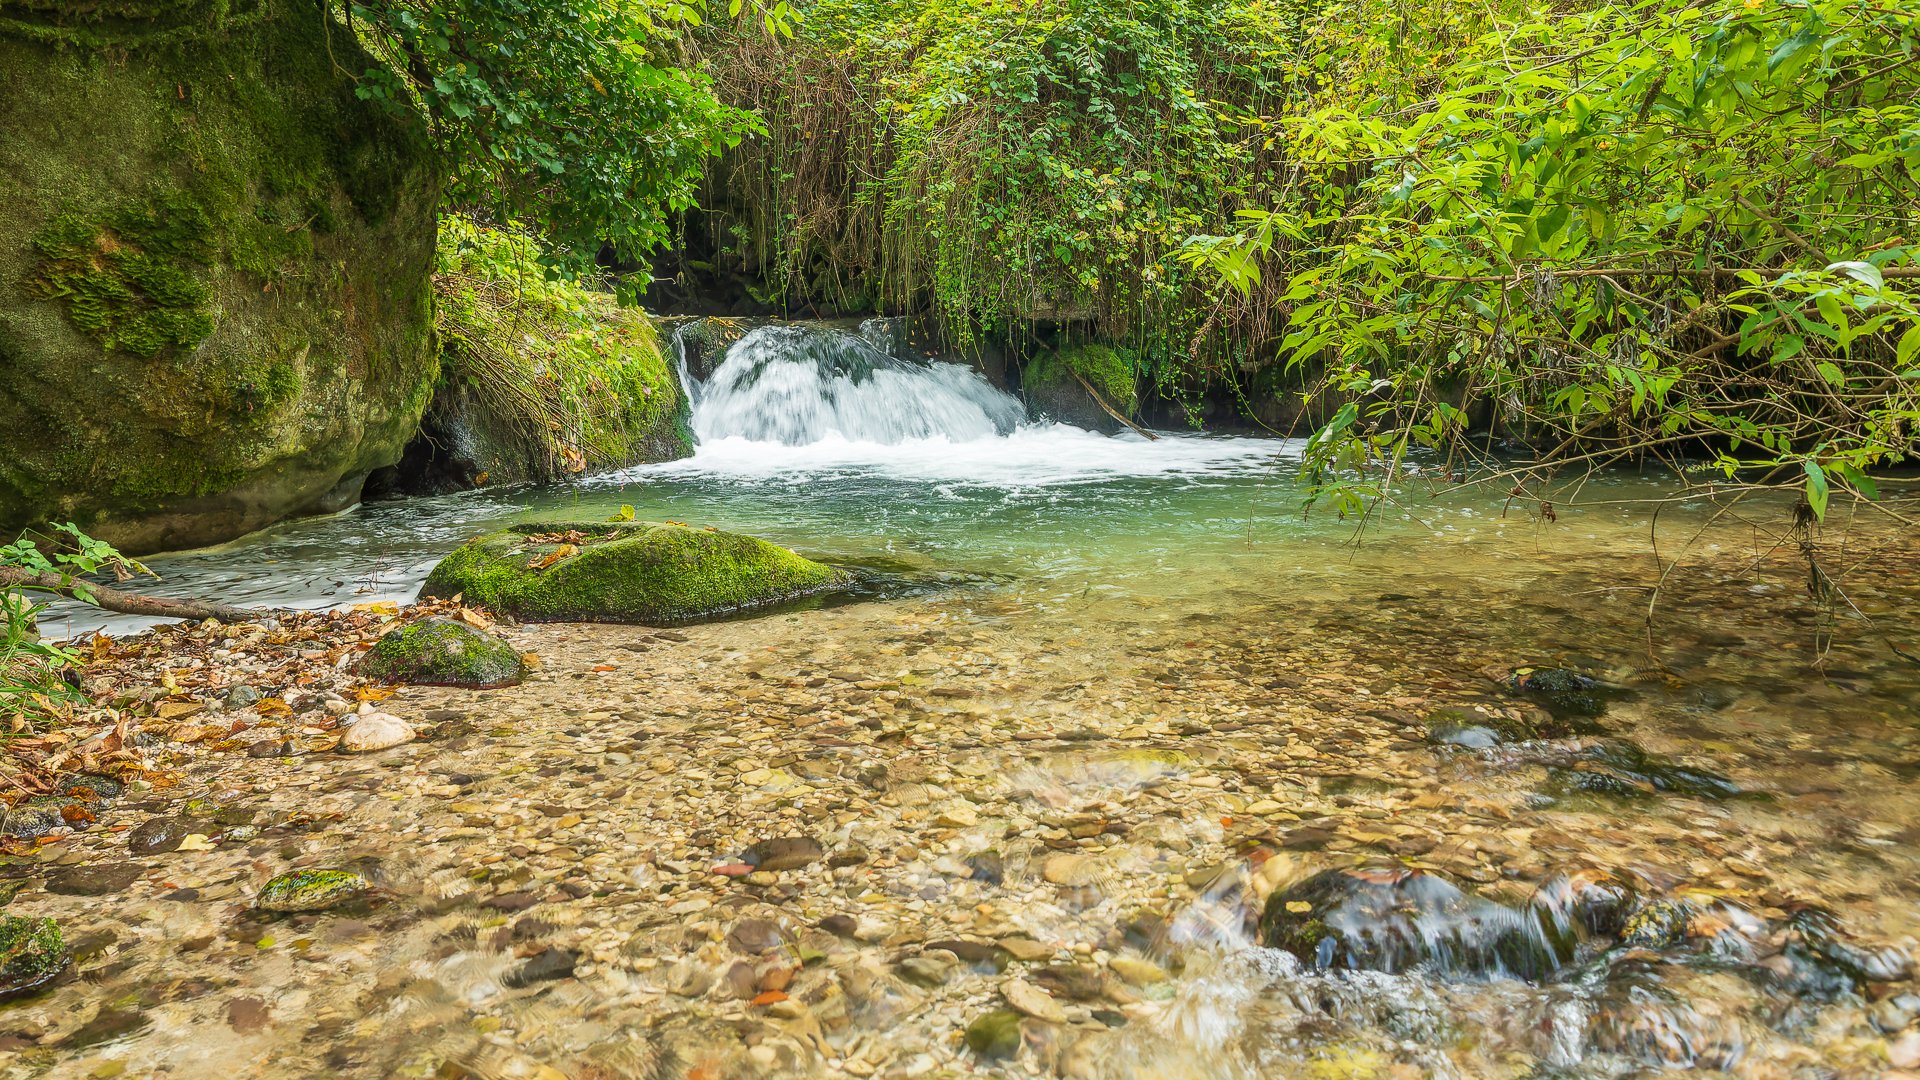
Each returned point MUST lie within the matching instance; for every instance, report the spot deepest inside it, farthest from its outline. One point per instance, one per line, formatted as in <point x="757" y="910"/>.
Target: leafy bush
<point x="1654" y="230"/>
<point x="32" y="670"/>
<point x="1002" y="161"/>
<point x="569" y="113"/>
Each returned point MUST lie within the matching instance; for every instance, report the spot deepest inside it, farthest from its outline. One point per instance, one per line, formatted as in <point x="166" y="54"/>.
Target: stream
<point x="1115" y="692"/>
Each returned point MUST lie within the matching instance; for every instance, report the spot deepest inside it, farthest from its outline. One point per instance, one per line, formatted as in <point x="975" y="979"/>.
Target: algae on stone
<point x="32" y="954"/>
<point x="215" y="301"/>
<point x="311" y="890"/>
<point x="648" y="573"/>
<point x="444" y="652"/>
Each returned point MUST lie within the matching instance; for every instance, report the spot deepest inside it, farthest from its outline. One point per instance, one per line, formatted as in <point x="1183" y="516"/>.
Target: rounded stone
<point x="311" y="890"/>
<point x="444" y="652"/>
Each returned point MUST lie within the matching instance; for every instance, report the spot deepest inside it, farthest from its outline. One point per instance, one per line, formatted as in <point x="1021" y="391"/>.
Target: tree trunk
<point x="127" y="603"/>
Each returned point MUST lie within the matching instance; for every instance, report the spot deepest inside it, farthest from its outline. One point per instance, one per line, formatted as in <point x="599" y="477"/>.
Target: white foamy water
<point x="798" y="403"/>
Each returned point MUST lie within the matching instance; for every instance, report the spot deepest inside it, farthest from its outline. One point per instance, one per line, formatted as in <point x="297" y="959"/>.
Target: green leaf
<point x="1816" y="489"/>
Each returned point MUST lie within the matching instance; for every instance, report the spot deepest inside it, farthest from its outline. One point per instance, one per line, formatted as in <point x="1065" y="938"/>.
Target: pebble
<point x="375" y="731"/>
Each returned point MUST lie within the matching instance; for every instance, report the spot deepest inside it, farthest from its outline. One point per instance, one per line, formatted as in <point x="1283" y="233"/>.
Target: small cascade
<point x="798" y="386"/>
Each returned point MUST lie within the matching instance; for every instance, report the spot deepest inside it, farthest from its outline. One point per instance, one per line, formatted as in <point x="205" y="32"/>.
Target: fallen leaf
<point x="770" y="997"/>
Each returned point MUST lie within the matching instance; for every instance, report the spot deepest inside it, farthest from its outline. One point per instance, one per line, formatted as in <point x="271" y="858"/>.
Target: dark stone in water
<point x="839" y="925"/>
<point x="987" y="866"/>
<point x="1582" y="904"/>
<point x="783" y="853"/>
<point x="1391" y="918"/>
<point x="101" y="879"/>
<point x="1565" y="692"/>
<point x="157" y="836"/>
<point x="1620" y="768"/>
<point x="979" y="954"/>
<point x="1818" y="945"/>
<point x="546" y="967"/>
<point x="755" y="936"/>
<point x="32" y="955"/>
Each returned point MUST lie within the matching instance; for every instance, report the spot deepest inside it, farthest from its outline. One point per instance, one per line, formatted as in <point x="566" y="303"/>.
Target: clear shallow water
<point x="1121" y="565"/>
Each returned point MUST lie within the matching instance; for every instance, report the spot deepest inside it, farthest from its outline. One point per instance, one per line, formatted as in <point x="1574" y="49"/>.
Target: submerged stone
<point x="783" y="853"/>
<point x="995" y="1035"/>
<point x="157" y="836"/>
<point x="444" y="652"/>
<point x="1620" y="768"/>
<point x="100" y="879"/>
<point x="653" y="574"/>
<point x="1391" y="918"/>
<point x="311" y="890"/>
<point x="32" y="954"/>
<point x="1565" y="692"/>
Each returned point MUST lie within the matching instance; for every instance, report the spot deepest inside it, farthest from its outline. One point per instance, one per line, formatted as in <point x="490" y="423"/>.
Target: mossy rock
<point x="32" y="954"/>
<point x="647" y="573"/>
<point x="444" y="652"/>
<point x="215" y="270"/>
<point x="311" y="890"/>
<point x="1053" y="391"/>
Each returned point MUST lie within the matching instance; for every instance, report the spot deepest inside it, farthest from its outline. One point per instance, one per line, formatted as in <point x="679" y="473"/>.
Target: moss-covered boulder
<point x="444" y="652"/>
<point x="215" y="263"/>
<point x="653" y="574"/>
<point x="542" y="376"/>
<point x="1062" y="385"/>
<point x="32" y="954"/>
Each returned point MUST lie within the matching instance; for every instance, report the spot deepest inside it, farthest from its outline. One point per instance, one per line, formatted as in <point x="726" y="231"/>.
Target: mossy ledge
<point x="648" y="573"/>
<point x="1052" y="391"/>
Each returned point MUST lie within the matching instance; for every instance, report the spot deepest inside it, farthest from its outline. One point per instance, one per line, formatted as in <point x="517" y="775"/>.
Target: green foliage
<point x="31" y="669"/>
<point x="566" y="112"/>
<point x="1636" y="230"/>
<point x="1005" y="161"/>
<point x="570" y="377"/>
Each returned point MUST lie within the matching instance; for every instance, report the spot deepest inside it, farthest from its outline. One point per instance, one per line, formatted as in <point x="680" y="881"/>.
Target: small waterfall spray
<point x="803" y="385"/>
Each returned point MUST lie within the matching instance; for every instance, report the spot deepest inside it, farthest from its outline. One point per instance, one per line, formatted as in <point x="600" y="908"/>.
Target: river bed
<point x="1125" y="692"/>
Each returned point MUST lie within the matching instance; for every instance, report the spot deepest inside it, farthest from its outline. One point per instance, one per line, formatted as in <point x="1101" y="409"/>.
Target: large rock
<point x="215" y="297"/>
<point x="653" y="574"/>
<point x="1061" y="385"/>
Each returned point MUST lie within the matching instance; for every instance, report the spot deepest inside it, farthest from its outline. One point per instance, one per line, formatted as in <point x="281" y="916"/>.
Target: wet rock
<point x="839" y="925"/>
<point x="1817" y="940"/>
<point x="1030" y="1000"/>
<point x="1064" y="869"/>
<point x="545" y="967"/>
<point x="979" y="954"/>
<point x="995" y="1035"/>
<point x="927" y="971"/>
<point x="987" y="866"/>
<point x="156" y="836"/>
<point x="373" y="731"/>
<point x="444" y="652"/>
<point x="851" y="855"/>
<point x="241" y="697"/>
<point x="1392" y="918"/>
<point x="1137" y="971"/>
<point x="269" y="747"/>
<point x="100" y="879"/>
<point x="311" y="890"/>
<point x="1583" y="903"/>
<point x="1620" y="768"/>
<point x="756" y="936"/>
<point x="1075" y="982"/>
<point x="108" y="1025"/>
<point x="783" y="853"/>
<point x="1478" y="731"/>
<point x="29" y="822"/>
<point x="32" y="955"/>
<point x="1564" y="692"/>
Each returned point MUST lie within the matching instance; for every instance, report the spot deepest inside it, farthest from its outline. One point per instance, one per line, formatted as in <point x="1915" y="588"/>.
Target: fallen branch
<point x="126" y="603"/>
<point x="1102" y="402"/>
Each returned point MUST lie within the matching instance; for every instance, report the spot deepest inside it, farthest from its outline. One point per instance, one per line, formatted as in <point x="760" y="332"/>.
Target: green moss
<point x="311" y="890"/>
<point x="644" y="573"/>
<point x="442" y="652"/>
<point x="556" y="378"/>
<point x="133" y="280"/>
<point x="32" y="954"/>
<point x="1053" y="390"/>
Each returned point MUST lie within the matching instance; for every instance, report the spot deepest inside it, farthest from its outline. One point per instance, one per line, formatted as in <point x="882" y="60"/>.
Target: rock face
<point x="653" y="574"/>
<point x="215" y="297"/>
<point x="444" y="652"/>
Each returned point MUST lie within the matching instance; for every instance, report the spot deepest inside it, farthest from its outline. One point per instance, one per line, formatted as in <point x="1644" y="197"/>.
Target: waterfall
<point x="801" y="385"/>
